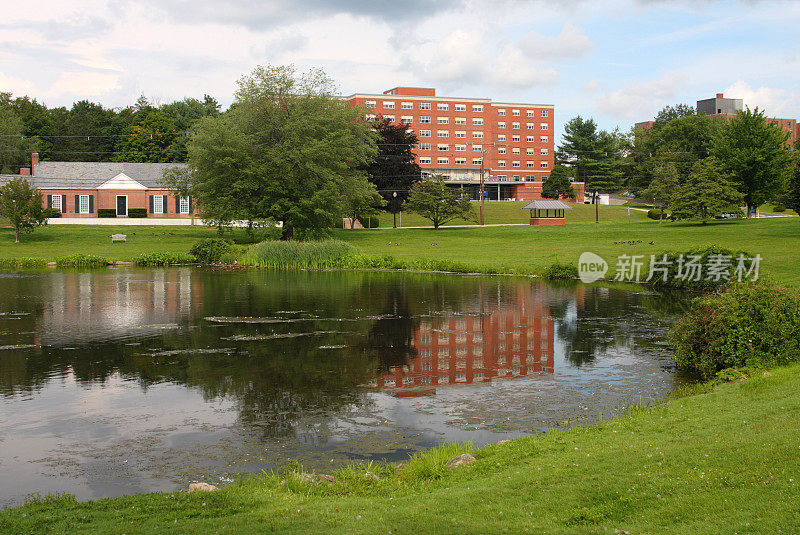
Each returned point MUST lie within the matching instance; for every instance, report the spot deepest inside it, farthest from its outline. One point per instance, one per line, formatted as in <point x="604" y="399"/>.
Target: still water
<point x="133" y="380"/>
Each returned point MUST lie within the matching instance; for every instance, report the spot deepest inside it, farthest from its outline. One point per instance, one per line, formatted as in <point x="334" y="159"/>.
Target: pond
<point x="135" y="380"/>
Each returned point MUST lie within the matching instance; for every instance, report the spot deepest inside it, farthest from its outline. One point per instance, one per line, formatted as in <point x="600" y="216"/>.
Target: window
<point x="460" y="120"/>
<point x="477" y="135"/>
<point x="424" y="105"/>
<point x="424" y="133"/>
<point x="530" y="139"/>
<point x="501" y="163"/>
<point x="369" y="104"/>
<point x="515" y="126"/>
<point x="442" y="120"/>
<point x="530" y="179"/>
<point x="388" y="105"/>
<point x="184" y="205"/>
<point x="515" y="177"/>
<point x="530" y="113"/>
<point x="530" y="150"/>
<point x="424" y="160"/>
<point x="461" y="134"/>
<point x="369" y="117"/>
<point x="442" y="146"/>
<point x="476" y="161"/>
<point x="406" y="105"/>
<point x="543" y="152"/>
<point x="57" y="202"/>
<point x="544" y="165"/>
<point x="461" y="148"/>
<point x="544" y="139"/>
<point x="501" y="137"/>
<point x="515" y="150"/>
<point x="530" y="126"/>
<point x="501" y="113"/>
<point x="477" y="147"/>
<point x="530" y="164"/>
<point x="389" y="118"/>
<point x="502" y="178"/>
<point x="515" y="164"/>
<point x="543" y="125"/>
<point x="442" y="133"/>
<point x="501" y="150"/>
<point x="460" y="107"/>
<point x="545" y="113"/>
<point x="515" y="113"/>
<point x="425" y="119"/>
<point x="158" y="204"/>
<point x="442" y="106"/>
<point x="477" y="107"/>
<point x="83" y="204"/>
<point x="501" y="124"/>
<point x="477" y="121"/>
<point x="514" y="138"/>
<point x="461" y="161"/>
<point x="424" y="146"/>
<point x="406" y="119"/>
<point x="442" y="161"/>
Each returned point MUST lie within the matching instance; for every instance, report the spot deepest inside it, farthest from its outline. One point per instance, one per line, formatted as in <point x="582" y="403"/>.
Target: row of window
<point x="478" y="148"/>
<point x="529" y="139"/>
<point x="443" y="106"/>
<point x="461" y="134"/>
<point x="529" y="126"/>
<point x="85" y="204"/>
<point x="477" y="161"/>
<point x="426" y="119"/>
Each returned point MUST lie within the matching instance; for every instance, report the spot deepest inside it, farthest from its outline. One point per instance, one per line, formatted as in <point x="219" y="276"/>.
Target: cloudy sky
<point x="619" y="61"/>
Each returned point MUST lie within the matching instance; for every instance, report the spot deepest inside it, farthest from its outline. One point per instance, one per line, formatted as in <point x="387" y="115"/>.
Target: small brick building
<point x="80" y="189"/>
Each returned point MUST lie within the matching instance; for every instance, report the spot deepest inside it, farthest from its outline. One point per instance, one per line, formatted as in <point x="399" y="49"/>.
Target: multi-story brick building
<point x="460" y="138"/>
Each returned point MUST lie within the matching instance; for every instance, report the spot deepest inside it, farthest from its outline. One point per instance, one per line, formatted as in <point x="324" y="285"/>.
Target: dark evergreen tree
<point x="394" y="168"/>
<point x="558" y="184"/>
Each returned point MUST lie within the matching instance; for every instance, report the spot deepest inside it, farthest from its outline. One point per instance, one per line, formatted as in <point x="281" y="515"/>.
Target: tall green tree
<point x="434" y="200"/>
<point x="288" y="150"/>
<point x="150" y="139"/>
<point x="707" y="193"/>
<point x="752" y="150"/>
<point x="663" y="188"/>
<point x="594" y="156"/>
<point x="21" y="204"/>
<point x="16" y="148"/>
<point x="558" y="184"/>
<point x="793" y="185"/>
<point x="394" y="168"/>
<point x="668" y="113"/>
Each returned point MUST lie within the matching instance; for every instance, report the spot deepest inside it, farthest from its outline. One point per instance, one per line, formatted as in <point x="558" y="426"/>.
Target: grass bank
<point x="721" y="460"/>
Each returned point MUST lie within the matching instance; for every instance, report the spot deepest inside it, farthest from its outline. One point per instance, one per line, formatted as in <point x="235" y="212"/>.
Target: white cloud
<point x="570" y="43"/>
<point x="639" y="100"/>
<point x="89" y="84"/>
<point x="775" y="102"/>
<point x="514" y="68"/>
<point x="592" y="86"/>
<point x="18" y="86"/>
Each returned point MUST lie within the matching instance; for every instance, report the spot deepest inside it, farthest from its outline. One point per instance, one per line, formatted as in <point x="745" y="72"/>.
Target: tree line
<point x="693" y="165"/>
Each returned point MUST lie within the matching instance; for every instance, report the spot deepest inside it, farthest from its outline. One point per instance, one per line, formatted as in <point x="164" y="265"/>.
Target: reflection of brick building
<point x="510" y="341"/>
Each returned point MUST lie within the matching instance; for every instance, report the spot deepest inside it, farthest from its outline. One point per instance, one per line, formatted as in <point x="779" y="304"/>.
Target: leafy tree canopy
<point x="708" y="193"/>
<point x="558" y="184"/>
<point x="663" y="188"/>
<point x="434" y="200"/>
<point x="394" y="168"/>
<point x="21" y="204"/>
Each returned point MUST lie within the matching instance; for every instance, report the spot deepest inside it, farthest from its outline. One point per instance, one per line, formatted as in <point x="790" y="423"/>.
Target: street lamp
<point x="596" y="206"/>
<point x="394" y="208"/>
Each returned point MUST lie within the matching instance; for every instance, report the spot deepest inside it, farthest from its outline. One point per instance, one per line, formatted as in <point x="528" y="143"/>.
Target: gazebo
<point x="547" y="212"/>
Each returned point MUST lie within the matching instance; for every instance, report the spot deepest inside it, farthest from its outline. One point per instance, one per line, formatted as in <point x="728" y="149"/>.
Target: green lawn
<point x="719" y="461"/>
<point x="527" y="249"/>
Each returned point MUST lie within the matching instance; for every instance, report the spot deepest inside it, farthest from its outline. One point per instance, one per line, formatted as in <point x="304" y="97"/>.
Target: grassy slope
<point x="714" y="462"/>
<point x="529" y="249"/>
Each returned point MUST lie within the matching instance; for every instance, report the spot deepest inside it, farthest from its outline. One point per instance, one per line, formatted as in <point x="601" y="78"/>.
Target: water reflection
<point x="131" y="380"/>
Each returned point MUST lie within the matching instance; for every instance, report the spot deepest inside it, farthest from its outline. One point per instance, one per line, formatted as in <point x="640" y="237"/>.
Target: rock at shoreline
<point x="202" y="487"/>
<point x="464" y="458"/>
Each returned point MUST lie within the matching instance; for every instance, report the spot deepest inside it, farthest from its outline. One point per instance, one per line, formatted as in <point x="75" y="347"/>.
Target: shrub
<point x="106" y="212"/>
<point x="672" y="258"/>
<point x="560" y="271"/>
<point x="137" y="212"/>
<point x="81" y="260"/>
<point x="779" y="208"/>
<point x="22" y="262"/>
<point x="209" y="250"/>
<point x="164" y="259"/>
<point x="369" y="222"/>
<point x="745" y="325"/>
<point x="52" y="212"/>
<point x="292" y="254"/>
<point x="656" y="214"/>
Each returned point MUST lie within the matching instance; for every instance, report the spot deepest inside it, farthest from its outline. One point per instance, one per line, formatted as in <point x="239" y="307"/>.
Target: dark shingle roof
<point x="547" y="204"/>
<point x="89" y="175"/>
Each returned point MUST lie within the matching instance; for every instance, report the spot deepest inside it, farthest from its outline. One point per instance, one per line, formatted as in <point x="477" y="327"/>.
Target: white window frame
<point x="388" y="105"/>
<point x="406" y="119"/>
<point x="501" y="124"/>
<point x="515" y="113"/>
<point x="184" y="201"/>
<point x="406" y="105"/>
<point x="424" y="105"/>
<point x="530" y="113"/>
<point x="477" y="135"/>
<point x="389" y="118"/>
<point x="476" y="161"/>
<point x="501" y="113"/>
<point x="476" y="121"/>
<point x="544" y="139"/>
<point x="545" y="113"/>
<point x="425" y="160"/>
<point x="370" y="104"/>
<point x="530" y="126"/>
<point x="543" y="165"/>
<point x="424" y="146"/>
<point x="461" y="161"/>
<point x="460" y="120"/>
<point x="424" y="133"/>
<point x="515" y="126"/>
<point x="530" y="150"/>
<point x="116" y="203"/>
<point x="515" y="150"/>
<point x="443" y="133"/>
<point x="544" y="126"/>
<point x="83" y="200"/>
<point x="158" y="204"/>
<point x="442" y="106"/>
<point x="501" y="137"/>
<point x="515" y="139"/>
<point x="477" y="107"/>
<point x="501" y="150"/>
<point x="501" y="163"/>
<point x="530" y="164"/>
<point x="544" y="152"/>
<point x="515" y="164"/>
<point x="461" y="134"/>
<point x="442" y="161"/>
<point x="61" y="202"/>
<point x="461" y="147"/>
<point x="442" y="147"/>
<point x="442" y="120"/>
<point x="460" y="107"/>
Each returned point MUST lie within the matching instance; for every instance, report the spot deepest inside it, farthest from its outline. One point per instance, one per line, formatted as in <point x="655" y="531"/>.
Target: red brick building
<point x="457" y="137"/>
<point x="80" y="189"/>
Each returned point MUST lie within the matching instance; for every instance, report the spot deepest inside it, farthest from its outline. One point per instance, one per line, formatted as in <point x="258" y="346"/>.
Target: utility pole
<point x="483" y="152"/>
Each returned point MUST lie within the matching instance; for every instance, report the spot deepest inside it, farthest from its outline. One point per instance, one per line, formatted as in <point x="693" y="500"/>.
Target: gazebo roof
<point x="547" y="204"/>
